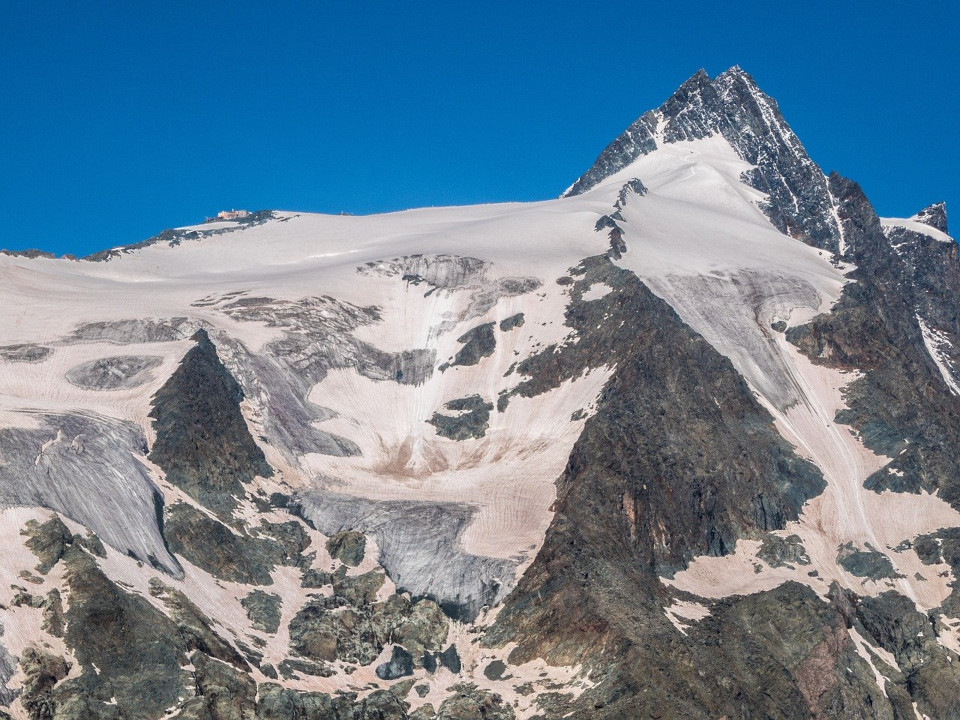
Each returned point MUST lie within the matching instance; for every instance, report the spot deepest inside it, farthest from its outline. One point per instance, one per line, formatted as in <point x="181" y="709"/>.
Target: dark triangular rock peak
<point x="733" y="106"/>
<point x="934" y="215"/>
<point x="203" y="444"/>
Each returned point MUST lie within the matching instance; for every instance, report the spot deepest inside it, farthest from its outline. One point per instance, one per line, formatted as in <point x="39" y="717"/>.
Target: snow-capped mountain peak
<point x="731" y="105"/>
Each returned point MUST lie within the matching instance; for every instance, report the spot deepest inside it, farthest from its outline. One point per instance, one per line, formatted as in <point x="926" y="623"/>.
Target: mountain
<point x="678" y="444"/>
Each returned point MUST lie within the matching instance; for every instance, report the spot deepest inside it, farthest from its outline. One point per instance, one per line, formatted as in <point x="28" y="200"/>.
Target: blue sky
<point x="120" y="119"/>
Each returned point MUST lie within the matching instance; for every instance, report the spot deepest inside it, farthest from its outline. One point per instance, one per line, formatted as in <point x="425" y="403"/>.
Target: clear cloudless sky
<point x="119" y="119"/>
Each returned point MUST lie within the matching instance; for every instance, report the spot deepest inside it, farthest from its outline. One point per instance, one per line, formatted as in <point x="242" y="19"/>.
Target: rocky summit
<point x="681" y="443"/>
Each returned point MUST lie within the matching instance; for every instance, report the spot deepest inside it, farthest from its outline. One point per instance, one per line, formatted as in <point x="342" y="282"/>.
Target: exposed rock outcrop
<point x="202" y="442"/>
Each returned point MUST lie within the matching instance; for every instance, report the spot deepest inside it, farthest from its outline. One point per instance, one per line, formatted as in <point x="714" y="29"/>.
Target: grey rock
<point x="453" y="273"/>
<point x="382" y="705"/>
<point x="326" y="630"/>
<point x="471" y="422"/>
<point x="53" y="618"/>
<point x="400" y="665"/>
<point x="935" y="216"/>
<point x="25" y="353"/>
<point x="438" y="271"/>
<point x="41" y="672"/>
<point x="514" y="321"/>
<point x="424" y="712"/>
<point x="347" y="547"/>
<point x="423" y="630"/>
<point x="868" y="563"/>
<point x="8" y="668"/>
<point x="470" y="703"/>
<point x="317" y="337"/>
<point x="263" y="609"/>
<point x="114" y="373"/>
<point x="279" y="703"/>
<point x="633" y="186"/>
<point x="294" y="667"/>
<point x="610" y="223"/>
<point x="778" y="551"/>
<point x="478" y="343"/>
<point x="136" y="331"/>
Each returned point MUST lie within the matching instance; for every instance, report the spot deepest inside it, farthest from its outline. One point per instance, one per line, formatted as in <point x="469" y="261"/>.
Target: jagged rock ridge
<point x="733" y="106"/>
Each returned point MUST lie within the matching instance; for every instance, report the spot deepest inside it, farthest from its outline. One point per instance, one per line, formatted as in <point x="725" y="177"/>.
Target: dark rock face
<point x="732" y="105"/>
<point x="935" y="216"/>
<point x="223" y="693"/>
<point x="702" y="474"/>
<point x="514" y="321"/>
<point x="636" y="140"/>
<point x="902" y="406"/>
<point x="471" y="703"/>
<point x="495" y="670"/>
<point x="400" y="665"/>
<point x="869" y="563"/>
<point x="610" y="223"/>
<point x="478" y="343"/>
<point x="624" y="514"/>
<point x="214" y="547"/>
<point x="263" y="609"/>
<point x="202" y="442"/>
<point x="943" y="546"/>
<point x="777" y="551"/>
<point x="347" y="547"/>
<point x="450" y="659"/>
<point x="135" y="655"/>
<point x="195" y="628"/>
<point x="175" y="236"/>
<point x="635" y="186"/>
<point x="930" y="673"/>
<point x="472" y="422"/>
<point x="49" y="541"/>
